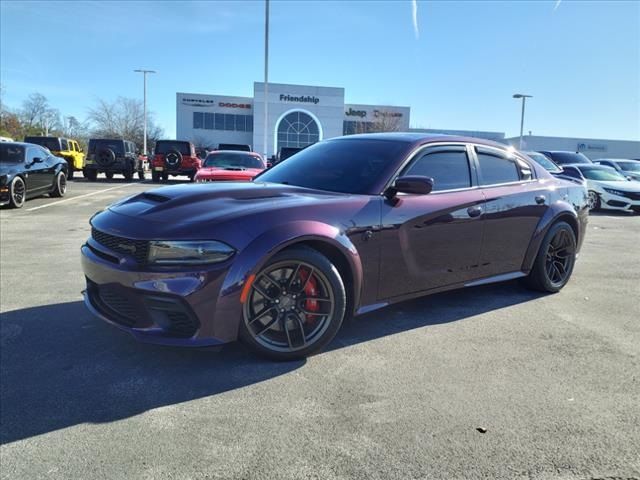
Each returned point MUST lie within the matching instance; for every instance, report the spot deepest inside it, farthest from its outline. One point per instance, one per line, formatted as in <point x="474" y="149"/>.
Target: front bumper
<point x="619" y="202"/>
<point x="163" y="307"/>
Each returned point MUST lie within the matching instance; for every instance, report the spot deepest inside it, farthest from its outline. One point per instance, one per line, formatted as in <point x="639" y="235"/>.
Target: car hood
<point x="213" y="202"/>
<point x="622" y="185"/>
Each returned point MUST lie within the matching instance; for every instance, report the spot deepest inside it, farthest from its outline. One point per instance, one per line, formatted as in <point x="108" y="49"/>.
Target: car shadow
<point x="610" y="213"/>
<point x="60" y="366"/>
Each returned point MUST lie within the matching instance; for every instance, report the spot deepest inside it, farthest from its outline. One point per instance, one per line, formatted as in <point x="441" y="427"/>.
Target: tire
<point x="70" y="170"/>
<point x="165" y="177"/>
<point x="91" y="174"/>
<point x="17" y="192"/>
<point x="128" y="172"/>
<point x="109" y="175"/>
<point x="556" y="258"/>
<point x="594" y="201"/>
<point x="60" y="185"/>
<point x="155" y="177"/>
<point x="283" y="325"/>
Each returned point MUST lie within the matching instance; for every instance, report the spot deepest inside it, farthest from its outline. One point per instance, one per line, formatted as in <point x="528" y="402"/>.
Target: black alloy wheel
<point x="555" y="260"/>
<point x="17" y="192"/>
<point x="60" y="185"/>
<point x="295" y="306"/>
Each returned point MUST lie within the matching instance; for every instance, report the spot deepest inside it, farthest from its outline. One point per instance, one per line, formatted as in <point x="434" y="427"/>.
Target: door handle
<point x="540" y="199"/>
<point x="474" y="211"/>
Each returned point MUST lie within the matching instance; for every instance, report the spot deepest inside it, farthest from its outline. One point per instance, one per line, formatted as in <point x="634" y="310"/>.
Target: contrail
<point x="558" y="2"/>
<point x="414" y="16"/>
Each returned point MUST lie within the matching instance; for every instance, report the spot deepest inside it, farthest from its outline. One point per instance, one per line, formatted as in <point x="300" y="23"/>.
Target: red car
<point x="174" y="157"/>
<point x="230" y="165"/>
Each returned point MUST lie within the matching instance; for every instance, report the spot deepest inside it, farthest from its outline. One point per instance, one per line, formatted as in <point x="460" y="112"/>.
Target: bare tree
<point x="123" y="118"/>
<point x="383" y="122"/>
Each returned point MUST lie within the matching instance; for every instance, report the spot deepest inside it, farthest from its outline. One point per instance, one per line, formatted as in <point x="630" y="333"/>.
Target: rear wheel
<point x="60" y="186"/>
<point x="295" y="306"/>
<point x="109" y="175"/>
<point x="91" y="174"/>
<point x="555" y="260"/>
<point x="594" y="200"/>
<point x="128" y="173"/>
<point x="17" y="192"/>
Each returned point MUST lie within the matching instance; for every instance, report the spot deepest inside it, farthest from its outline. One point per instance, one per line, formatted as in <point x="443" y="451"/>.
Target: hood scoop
<point x="154" y="197"/>
<point x="235" y="169"/>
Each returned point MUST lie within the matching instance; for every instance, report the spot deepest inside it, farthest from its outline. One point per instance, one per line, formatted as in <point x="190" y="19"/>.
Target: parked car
<point x="6" y="139"/>
<point x="28" y="170"/>
<point x="234" y="146"/>
<point x="607" y="188"/>
<point x="174" y="157"/>
<point x="286" y="152"/>
<point x="348" y="225"/>
<point x="66" y="148"/>
<point x="629" y="168"/>
<point x="565" y="158"/>
<point x="545" y="162"/>
<point x="230" y="165"/>
<point x="111" y="156"/>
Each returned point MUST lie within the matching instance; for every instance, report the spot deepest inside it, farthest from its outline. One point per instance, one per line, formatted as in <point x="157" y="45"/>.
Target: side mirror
<point x="37" y="160"/>
<point x="413" y="184"/>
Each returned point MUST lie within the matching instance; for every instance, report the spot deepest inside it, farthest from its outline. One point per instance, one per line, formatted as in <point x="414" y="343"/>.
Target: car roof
<point x="589" y="166"/>
<point x="420" y="138"/>
<point x="234" y="152"/>
<point x="617" y="160"/>
<point x="23" y="144"/>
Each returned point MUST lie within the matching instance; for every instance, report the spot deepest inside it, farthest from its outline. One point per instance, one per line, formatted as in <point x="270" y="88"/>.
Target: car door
<point x="36" y="170"/>
<point x="433" y="240"/>
<point x="515" y="204"/>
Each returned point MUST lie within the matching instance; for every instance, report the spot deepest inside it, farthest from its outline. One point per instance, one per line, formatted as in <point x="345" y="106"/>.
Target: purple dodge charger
<point x="343" y="227"/>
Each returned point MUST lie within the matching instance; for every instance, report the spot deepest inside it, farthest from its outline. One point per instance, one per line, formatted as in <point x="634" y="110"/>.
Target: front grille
<point x="126" y="312"/>
<point x="632" y="195"/>
<point x="138" y="249"/>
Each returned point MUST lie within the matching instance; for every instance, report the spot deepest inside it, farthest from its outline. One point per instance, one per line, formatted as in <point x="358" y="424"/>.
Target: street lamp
<point x="144" y="74"/>
<point x="524" y="99"/>
<point x="266" y="79"/>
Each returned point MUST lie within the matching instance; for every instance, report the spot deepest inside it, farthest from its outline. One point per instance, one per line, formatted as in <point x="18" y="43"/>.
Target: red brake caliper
<point x="311" y="290"/>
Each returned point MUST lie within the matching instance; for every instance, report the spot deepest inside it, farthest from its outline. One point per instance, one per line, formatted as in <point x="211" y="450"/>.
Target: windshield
<point x="629" y="166"/>
<point x="52" y="143"/>
<point x="164" y="147"/>
<point x="603" y="174"/>
<point x="96" y="146"/>
<point x="230" y="160"/>
<point x="347" y="166"/>
<point x="11" y="153"/>
<point x="564" y="158"/>
<point x="544" y="161"/>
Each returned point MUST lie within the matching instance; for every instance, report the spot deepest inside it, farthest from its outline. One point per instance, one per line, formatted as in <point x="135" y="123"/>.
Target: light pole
<point x="144" y="74"/>
<point x="524" y="99"/>
<point x="266" y="79"/>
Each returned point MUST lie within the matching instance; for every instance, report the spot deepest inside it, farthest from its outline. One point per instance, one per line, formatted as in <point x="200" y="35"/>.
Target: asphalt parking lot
<point x="552" y="381"/>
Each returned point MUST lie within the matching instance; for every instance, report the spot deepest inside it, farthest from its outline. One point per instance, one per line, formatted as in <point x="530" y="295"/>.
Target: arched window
<point x="297" y="129"/>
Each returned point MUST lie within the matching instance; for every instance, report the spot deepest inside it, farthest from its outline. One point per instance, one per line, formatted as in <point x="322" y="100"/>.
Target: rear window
<point x="234" y="146"/>
<point x="116" y="145"/>
<point x="52" y="143"/>
<point x="564" y="158"/>
<point x="164" y="147"/>
<point x="223" y="160"/>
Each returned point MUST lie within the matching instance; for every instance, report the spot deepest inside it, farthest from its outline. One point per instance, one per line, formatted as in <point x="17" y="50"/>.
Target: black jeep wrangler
<point x="112" y="156"/>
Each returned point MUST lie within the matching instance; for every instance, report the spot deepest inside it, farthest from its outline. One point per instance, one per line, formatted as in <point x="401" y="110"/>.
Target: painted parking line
<point x="90" y="194"/>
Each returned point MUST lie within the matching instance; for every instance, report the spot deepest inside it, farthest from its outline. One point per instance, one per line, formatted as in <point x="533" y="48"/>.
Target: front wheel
<point x="71" y="170"/>
<point x="60" y="185"/>
<point x="554" y="263"/>
<point x="91" y="174"/>
<point x="594" y="200"/>
<point x="17" y="192"/>
<point x="295" y="305"/>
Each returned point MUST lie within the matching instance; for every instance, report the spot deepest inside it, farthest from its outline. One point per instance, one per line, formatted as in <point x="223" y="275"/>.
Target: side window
<point x="198" y="120"/>
<point x="63" y="144"/>
<point x="496" y="168"/>
<point x="448" y="168"/>
<point x="31" y="154"/>
<point x="572" y="172"/>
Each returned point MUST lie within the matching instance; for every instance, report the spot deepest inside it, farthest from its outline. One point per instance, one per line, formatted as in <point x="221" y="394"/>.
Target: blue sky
<point x="580" y="60"/>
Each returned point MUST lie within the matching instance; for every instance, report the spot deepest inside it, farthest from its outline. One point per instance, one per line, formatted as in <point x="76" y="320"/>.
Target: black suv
<point x="112" y="156"/>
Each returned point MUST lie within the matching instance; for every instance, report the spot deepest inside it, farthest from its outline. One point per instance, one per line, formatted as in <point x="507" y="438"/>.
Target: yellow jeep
<point x="66" y="148"/>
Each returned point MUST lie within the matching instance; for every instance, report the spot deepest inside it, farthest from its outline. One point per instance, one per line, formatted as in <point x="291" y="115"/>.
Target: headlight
<point x="188" y="253"/>
<point x="615" y="192"/>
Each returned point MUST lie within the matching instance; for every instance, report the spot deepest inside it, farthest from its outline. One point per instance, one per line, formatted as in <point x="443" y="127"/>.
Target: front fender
<point x="255" y="255"/>
<point x="561" y="209"/>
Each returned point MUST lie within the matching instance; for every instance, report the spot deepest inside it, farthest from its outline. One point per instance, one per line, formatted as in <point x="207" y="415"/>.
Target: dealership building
<point x="299" y="115"/>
